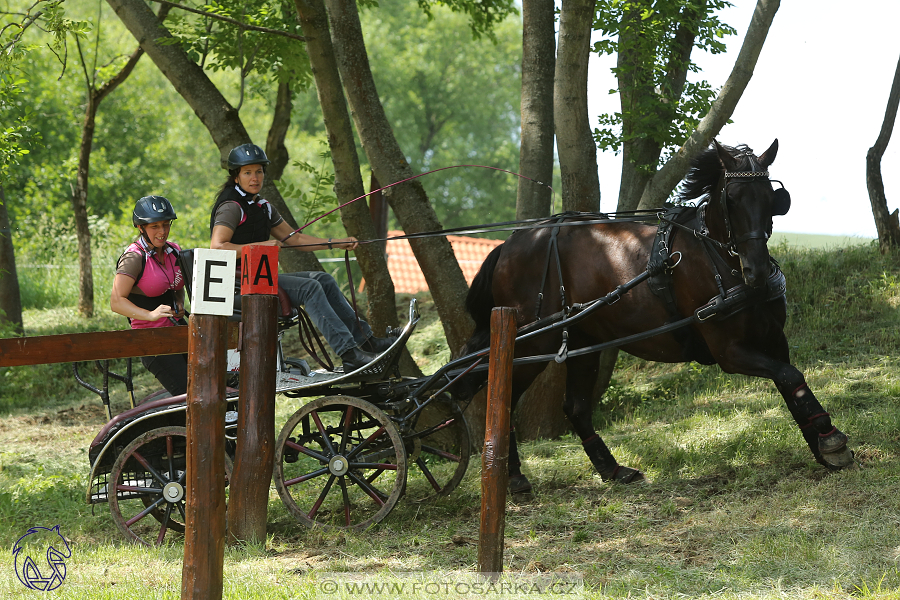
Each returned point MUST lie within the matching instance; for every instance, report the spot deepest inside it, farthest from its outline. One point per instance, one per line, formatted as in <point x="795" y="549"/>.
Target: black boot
<point x="354" y="359"/>
<point x="377" y="344"/>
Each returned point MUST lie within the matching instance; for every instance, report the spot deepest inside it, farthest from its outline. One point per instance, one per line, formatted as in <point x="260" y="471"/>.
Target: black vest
<point x="255" y="227"/>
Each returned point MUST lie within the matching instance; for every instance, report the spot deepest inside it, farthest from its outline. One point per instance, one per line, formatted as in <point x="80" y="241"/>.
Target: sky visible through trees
<point x="820" y="87"/>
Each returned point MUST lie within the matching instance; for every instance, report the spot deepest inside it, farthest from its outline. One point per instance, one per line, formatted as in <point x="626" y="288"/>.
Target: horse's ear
<point x="727" y="161"/>
<point x="768" y="157"/>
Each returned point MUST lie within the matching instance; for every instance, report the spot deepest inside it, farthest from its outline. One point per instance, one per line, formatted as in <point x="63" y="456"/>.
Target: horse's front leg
<point x="581" y="375"/>
<point x="827" y="443"/>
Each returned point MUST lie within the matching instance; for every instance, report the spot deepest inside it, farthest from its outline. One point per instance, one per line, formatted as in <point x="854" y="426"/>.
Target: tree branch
<point x="232" y="21"/>
<point x="665" y="180"/>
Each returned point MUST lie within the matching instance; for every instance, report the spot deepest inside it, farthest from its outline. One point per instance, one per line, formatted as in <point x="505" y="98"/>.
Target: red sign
<point x="259" y="269"/>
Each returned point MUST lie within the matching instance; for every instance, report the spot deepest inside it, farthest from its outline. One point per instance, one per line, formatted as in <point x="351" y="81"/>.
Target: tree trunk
<point x="575" y="143"/>
<point x="10" y="299"/>
<point x="666" y="178"/>
<point x="640" y="154"/>
<point x="79" y="208"/>
<point x="536" y="152"/>
<point x="348" y="183"/>
<point x="222" y="121"/>
<point x="80" y="193"/>
<point x="886" y="223"/>
<point x="276" y="151"/>
<point x="409" y="200"/>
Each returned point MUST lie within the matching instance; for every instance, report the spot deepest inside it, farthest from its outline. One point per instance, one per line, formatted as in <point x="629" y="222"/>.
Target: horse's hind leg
<point x="581" y="375"/>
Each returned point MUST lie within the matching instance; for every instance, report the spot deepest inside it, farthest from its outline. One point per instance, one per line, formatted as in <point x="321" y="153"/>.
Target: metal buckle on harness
<point x="563" y="353"/>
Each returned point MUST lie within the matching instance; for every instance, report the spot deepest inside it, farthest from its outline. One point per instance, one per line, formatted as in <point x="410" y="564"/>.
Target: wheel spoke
<point x="346" y="501"/>
<point x="366" y="442"/>
<point x="345" y="438"/>
<point x="373" y="492"/>
<point x="144" y="463"/>
<point x="315" y="508"/>
<point x="170" y="452"/>
<point x="326" y="441"/>
<point x="143" y="513"/>
<point x="306" y="477"/>
<point x="424" y="468"/>
<point x="306" y="451"/>
<point x="437" y="452"/>
<point x="164" y="527"/>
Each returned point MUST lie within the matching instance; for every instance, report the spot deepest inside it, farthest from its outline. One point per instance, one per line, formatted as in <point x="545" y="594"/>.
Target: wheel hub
<point x="338" y="465"/>
<point x="173" y="492"/>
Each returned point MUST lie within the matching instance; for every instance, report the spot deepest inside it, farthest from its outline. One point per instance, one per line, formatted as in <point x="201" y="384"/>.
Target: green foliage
<point x="18" y="135"/>
<point x="319" y="201"/>
<point x="484" y="16"/>
<point x="220" y="45"/>
<point x="451" y="101"/>
<point x="644" y="33"/>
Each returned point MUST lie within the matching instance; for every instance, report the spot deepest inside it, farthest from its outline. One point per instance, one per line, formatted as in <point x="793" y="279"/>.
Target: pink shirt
<point x="155" y="280"/>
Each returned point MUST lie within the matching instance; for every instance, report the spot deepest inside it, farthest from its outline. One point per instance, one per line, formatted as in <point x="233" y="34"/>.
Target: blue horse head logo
<point x="41" y="542"/>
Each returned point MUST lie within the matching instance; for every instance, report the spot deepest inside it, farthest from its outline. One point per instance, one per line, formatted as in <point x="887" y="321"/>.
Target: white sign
<point x="214" y="282"/>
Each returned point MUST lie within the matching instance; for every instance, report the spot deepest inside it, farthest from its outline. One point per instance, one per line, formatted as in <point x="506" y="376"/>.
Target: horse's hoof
<point x="839" y="460"/>
<point x="519" y="484"/>
<point x="623" y="474"/>
<point x="833" y="442"/>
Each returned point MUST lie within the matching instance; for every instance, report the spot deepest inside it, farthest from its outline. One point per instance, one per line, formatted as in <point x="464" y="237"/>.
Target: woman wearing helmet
<point x="241" y="217"/>
<point x="149" y="286"/>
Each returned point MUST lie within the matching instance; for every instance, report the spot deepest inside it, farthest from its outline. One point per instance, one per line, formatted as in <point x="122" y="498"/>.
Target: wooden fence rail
<point x="98" y="345"/>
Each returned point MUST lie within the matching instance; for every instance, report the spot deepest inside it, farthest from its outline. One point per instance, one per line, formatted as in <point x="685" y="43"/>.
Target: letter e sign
<point x="259" y="269"/>
<point x="214" y="282"/>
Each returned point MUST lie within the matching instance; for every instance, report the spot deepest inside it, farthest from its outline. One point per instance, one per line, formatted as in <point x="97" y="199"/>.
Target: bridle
<point x="735" y="177"/>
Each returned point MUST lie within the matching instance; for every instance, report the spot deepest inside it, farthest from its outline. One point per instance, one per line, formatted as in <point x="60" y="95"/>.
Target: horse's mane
<point x="706" y="169"/>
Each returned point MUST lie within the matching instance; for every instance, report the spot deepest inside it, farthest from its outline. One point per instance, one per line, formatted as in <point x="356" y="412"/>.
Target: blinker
<point x="781" y="203"/>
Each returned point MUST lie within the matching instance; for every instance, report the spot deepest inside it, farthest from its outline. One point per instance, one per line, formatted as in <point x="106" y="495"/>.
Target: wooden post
<point x="495" y="458"/>
<point x="255" y="456"/>
<point x="256" y="410"/>
<point x="204" y="537"/>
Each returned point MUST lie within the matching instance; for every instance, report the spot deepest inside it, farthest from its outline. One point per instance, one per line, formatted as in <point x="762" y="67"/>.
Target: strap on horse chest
<point x="660" y="281"/>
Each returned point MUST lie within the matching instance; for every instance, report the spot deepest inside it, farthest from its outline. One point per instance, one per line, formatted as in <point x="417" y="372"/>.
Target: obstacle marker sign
<point x="259" y="269"/>
<point x="214" y="273"/>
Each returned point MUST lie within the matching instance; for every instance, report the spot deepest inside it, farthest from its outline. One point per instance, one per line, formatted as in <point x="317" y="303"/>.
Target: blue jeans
<point x="329" y="310"/>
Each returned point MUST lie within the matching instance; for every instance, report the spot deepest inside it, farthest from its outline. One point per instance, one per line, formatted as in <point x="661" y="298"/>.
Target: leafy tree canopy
<point x="451" y="100"/>
<point x="646" y="34"/>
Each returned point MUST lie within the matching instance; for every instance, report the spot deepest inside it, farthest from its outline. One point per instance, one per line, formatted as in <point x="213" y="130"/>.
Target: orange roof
<point x="404" y="269"/>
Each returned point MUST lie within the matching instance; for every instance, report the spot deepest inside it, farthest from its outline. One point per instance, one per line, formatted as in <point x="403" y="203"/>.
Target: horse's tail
<point x="480" y="301"/>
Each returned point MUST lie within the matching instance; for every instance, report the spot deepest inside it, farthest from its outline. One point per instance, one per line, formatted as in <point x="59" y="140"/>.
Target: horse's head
<point x="747" y="203"/>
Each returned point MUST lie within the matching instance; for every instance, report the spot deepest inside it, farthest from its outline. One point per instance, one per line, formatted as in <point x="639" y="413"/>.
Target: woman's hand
<point x="161" y="312"/>
<point x="348" y="243"/>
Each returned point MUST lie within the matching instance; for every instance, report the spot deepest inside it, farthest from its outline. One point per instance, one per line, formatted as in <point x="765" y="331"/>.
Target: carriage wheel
<point x="339" y="463"/>
<point x="149" y="479"/>
<point x="438" y="448"/>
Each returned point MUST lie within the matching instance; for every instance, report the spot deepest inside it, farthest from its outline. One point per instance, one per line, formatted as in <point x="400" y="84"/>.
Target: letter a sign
<point x="259" y="269"/>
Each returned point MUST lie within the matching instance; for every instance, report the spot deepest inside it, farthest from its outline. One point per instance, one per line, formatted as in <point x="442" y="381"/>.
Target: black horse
<point x="707" y="267"/>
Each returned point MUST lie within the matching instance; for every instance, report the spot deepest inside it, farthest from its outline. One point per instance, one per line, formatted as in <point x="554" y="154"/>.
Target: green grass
<point x="736" y="507"/>
<point x="819" y="241"/>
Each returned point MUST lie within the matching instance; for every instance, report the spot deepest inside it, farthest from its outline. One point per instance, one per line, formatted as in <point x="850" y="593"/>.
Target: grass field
<point x="736" y="507"/>
<point x="812" y="240"/>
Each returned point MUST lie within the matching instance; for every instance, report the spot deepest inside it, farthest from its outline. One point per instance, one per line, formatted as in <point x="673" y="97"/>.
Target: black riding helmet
<point x="246" y="154"/>
<point x="151" y="209"/>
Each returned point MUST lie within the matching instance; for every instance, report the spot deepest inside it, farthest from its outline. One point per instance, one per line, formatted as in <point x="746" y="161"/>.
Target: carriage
<point x="700" y="286"/>
<point x="343" y="460"/>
